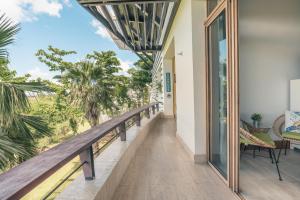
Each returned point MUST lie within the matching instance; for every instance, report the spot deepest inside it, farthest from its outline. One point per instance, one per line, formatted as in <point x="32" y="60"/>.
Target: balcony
<point x="162" y="169"/>
<point x="148" y="162"/>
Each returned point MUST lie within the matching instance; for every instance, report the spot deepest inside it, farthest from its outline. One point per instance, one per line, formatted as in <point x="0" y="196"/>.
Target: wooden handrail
<point x="21" y="179"/>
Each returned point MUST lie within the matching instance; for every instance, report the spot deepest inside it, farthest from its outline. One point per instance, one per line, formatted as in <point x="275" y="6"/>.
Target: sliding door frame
<point x="230" y="8"/>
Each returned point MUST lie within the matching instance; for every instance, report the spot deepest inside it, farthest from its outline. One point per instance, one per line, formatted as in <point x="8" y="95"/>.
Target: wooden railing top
<point x="24" y="177"/>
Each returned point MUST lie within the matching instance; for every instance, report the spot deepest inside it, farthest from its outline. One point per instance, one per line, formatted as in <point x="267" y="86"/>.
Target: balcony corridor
<point x="163" y="170"/>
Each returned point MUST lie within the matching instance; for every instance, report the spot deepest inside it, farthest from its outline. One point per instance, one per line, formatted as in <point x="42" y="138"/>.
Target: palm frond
<point x="26" y="127"/>
<point x="36" y="123"/>
<point x="8" y="30"/>
<point x="12" y="99"/>
<point x="31" y="86"/>
<point x="10" y="151"/>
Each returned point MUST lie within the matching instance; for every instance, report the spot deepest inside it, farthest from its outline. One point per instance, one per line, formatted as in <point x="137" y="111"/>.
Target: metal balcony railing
<point x="21" y="179"/>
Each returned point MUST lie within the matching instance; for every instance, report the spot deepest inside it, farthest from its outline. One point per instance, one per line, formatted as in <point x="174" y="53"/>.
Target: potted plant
<point x="256" y="118"/>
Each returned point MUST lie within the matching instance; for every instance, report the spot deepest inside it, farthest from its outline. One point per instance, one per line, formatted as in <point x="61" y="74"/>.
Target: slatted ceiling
<point x="138" y="25"/>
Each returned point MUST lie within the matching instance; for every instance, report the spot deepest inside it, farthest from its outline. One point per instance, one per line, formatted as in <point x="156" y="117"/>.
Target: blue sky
<point x="61" y="23"/>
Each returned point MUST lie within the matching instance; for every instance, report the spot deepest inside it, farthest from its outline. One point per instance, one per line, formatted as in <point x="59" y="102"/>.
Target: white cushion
<point x="292" y="121"/>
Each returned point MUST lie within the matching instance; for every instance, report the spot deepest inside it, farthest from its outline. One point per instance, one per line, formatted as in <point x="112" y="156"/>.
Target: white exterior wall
<point x="187" y="33"/>
<point x="198" y="17"/>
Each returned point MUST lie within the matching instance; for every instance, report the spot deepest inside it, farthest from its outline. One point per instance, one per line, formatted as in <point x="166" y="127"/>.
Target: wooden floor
<point x="259" y="179"/>
<point x="162" y="170"/>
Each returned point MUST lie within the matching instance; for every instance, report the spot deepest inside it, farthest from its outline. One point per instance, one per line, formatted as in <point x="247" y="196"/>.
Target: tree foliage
<point x="54" y="58"/>
<point x="86" y="89"/>
<point x="90" y="84"/>
<point x="140" y="79"/>
<point x="7" y="32"/>
<point x="18" y="130"/>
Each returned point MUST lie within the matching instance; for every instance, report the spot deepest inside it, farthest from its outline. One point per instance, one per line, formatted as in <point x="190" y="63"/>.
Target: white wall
<point x="198" y="17"/>
<point x="269" y="38"/>
<point x="187" y="33"/>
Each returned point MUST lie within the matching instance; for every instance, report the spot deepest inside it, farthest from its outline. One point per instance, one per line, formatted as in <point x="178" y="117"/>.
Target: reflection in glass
<point x="211" y="4"/>
<point x="218" y="74"/>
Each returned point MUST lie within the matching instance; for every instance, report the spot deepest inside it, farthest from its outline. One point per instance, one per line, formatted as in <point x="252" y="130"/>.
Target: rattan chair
<point x="261" y="140"/>
<point x="289" y="137"/>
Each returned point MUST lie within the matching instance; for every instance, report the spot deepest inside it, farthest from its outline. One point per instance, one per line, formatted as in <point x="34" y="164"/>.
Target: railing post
<point x="122" y="129"/>
<point x="157" y="107"/>
<point x="88" y="168"/>
<point x="153" y="109"/>
<point x="138" y="119"/>
<point x="147" y="112"/>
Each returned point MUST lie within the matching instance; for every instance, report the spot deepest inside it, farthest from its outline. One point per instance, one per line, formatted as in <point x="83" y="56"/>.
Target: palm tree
<point x="17" y="129"/>
<point x="89" y="89"/>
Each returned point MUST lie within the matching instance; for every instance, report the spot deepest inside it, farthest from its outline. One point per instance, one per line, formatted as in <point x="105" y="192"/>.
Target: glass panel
<point x="218" y="74"/>
<point x="211" y="4"/>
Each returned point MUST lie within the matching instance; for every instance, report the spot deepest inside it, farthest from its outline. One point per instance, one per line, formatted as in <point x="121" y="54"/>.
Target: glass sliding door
<point x="211" y="5"/>
<point x="218" y="95"/>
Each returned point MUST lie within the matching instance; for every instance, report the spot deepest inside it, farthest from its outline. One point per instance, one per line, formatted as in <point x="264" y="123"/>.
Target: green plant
<point x="256" y="117"/>
<point x="90" y="84"/>
<point x="18" y="130"/>
<point x="140" y="80"/>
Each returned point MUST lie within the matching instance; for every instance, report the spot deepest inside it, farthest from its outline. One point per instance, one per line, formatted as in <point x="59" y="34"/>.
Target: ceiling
<point x="141" y="26"/>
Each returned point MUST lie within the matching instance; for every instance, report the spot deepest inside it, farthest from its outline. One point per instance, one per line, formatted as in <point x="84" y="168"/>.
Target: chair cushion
<point x="265" y="138"/>
<point x="245" y="141"/>
<point x="292" y="122"/>
<point x="291" y="135"/>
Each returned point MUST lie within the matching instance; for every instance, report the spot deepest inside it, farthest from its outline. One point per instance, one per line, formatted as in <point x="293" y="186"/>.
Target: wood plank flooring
<point x="162" y="170"/>
<point x="259" y="179"/>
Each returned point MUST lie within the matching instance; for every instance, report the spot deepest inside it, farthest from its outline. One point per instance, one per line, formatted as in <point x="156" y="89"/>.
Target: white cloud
<point x="125" y="65"/>
<point x="67" y="3"/>
<point x="28" y="10"/>
<point x="38" y="72"/>
<point x="100" y="30"/>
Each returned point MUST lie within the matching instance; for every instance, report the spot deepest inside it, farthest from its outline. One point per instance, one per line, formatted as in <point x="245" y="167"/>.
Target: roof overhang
<point x="141" y="26"/>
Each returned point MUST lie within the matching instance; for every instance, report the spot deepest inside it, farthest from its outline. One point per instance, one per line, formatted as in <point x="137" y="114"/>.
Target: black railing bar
<point x="64" y="180"/>
<point x="108" y="142"/>
<point x="129" y="125"/>
<point x="94" y="153"/>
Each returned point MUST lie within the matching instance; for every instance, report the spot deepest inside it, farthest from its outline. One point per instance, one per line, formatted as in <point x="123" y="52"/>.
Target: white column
<point x="199" y="79"/>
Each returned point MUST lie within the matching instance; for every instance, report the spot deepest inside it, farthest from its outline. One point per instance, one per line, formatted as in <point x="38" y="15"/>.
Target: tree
<point x="54" y="58"/>
<point x="140" y="79"/>
<point x="122" y="89"/>
<point x="17" y="129"/>
<point x="91" y="84"/>
<point x="84" y="91"/>
<point x="107" y="65"/>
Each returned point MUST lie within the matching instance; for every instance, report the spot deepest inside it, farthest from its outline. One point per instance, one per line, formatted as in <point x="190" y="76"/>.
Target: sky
<point x="63" y="24"/>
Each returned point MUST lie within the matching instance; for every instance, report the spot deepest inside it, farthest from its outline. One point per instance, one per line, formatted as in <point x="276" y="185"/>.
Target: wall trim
<point x="186" y="148"/>
<point x="200" y="159"/>
<point x="167" y="116"/>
